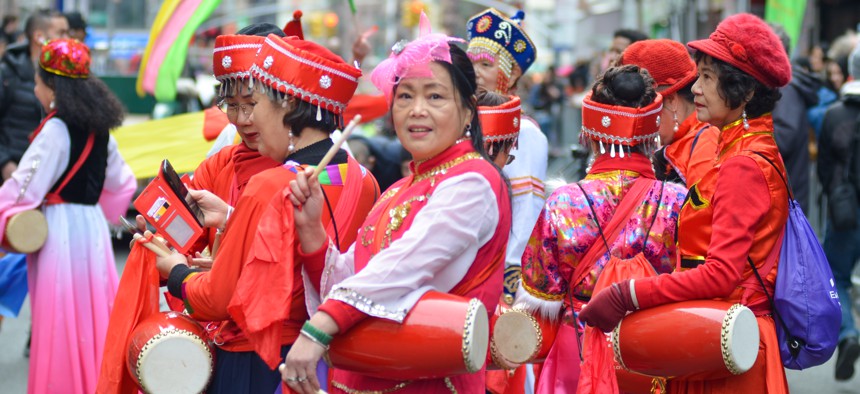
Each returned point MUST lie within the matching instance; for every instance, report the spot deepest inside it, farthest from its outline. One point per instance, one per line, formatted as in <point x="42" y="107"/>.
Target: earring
<point x="51" y="105"/>
<point x="469" y="130"/>
<point x="675" y="119"/>
<point x="744" y="117"/>
<point x="292" y="146"/>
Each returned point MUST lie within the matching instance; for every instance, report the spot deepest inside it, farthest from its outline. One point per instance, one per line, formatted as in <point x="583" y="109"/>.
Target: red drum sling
<point x="688" y="339"/>
<point x="443" y="335"/>
<point x="168" y="353"/>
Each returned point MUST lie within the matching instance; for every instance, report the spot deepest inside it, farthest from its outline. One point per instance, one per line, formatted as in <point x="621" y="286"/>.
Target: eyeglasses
<point x="510" y="159"/>
<point x="233" y="109"/>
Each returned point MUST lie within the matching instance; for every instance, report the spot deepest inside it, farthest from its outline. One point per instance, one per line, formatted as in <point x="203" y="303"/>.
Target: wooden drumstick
<point x="336" y="147"/>
<point x="140" y="239"/>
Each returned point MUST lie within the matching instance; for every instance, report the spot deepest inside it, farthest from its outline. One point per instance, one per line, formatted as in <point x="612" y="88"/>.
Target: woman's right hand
<point x="214" y="208"/>
<point x="307" y="197"/>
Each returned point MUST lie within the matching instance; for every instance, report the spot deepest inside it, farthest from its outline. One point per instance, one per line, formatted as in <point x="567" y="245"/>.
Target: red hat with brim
<point x="666" y="60"/>
<point x="748" y="43"/>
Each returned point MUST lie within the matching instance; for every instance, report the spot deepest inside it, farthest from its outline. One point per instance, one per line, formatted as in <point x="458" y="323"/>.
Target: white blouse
<point x="435" y="253"/>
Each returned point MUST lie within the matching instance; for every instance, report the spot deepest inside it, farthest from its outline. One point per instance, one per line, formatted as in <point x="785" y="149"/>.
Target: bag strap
<point x="616" y="224"/>
<point x="696" y="140"/>
<point x="54" y="197"/>
<point x="794" y="344"/>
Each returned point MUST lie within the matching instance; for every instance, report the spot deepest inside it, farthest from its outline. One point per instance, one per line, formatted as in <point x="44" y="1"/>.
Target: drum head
<point x="476" y="336"/>
<point x="740" y="339"/>
<point x="178" y="362"/>
<point x="517" y="336"/>
<point x="27" y="231"/>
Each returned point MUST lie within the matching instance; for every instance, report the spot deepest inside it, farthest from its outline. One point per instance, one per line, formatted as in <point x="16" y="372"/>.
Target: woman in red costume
<point x="450" y="238"/>
<point x="689" y="143"/>
<point x="299" y="92"/>
<point x="738" y="209"/>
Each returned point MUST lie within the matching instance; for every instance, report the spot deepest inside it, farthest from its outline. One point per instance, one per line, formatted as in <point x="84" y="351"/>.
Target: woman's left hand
<point x="165" y="264"/>
<point x="300" y="368"/>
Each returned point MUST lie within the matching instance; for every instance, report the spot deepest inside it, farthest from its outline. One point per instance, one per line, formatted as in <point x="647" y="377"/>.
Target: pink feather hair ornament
<point x="412" y="59"/>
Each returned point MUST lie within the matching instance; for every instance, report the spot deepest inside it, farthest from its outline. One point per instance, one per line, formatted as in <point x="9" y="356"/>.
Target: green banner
<point x="789" y="14"/>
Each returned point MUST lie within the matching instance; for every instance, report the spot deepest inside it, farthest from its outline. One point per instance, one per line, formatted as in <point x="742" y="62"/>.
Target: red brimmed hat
<point x="66" y="57"/>
<point x="748" y="43"/>
<point x="616" y="125"/>
<point x="234" y="55"/>
<point x="502" y="122"/>
<point x="307" y="71"/>
<point x="666" y="60"/>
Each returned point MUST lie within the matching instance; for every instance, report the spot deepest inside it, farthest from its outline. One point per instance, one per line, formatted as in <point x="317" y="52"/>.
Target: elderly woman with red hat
<point x="442" y="228"/>
<point x="739" y="208"/>
<point x="572" y="241"/>
<point x="74" y="174"/>
<point x="257" y="282"/>
<point x="689" y="144"/>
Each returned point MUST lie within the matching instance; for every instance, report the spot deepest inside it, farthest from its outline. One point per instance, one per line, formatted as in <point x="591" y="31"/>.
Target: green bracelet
<point x="316" y="333"/>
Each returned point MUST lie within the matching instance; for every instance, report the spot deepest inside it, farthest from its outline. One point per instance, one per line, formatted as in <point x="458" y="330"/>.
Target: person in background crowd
<point x="77" y="26"/>
<point x="499" y="63"/>
<point x="835" y="71"/>
<point x="20" y="111"/>
<point x="546" y="98"/>
<point x="689" y="145"/>
<point x="74" y="171"/>
<point x="838" y="162"/>
<point x="791" y="123"/>
<point x="736" y="212"/>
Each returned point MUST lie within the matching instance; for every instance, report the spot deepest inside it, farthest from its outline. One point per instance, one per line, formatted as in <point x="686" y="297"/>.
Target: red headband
<point x="502" y="122"/>
<point x="618" y="125"/>
<point x="234" y="55"/>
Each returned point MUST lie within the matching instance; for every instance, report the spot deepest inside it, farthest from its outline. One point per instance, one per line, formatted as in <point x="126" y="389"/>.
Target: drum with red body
<point x="443" y="335"/>
<point x="168" y="353"/>
<point x="690" y="339"/>
<point x="521" y="337"/>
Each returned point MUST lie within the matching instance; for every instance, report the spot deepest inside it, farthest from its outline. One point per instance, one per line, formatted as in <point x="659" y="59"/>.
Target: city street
<point x="13" y="364"/>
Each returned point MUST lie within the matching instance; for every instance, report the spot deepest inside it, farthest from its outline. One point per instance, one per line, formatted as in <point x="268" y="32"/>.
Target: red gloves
<point x="607" y="308"/>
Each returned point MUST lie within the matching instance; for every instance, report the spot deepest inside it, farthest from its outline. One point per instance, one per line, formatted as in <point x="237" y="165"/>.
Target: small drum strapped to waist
<point x="25" y="232"/>
<point x="443" y="335"/>
<point x="519" y="337"/>
<point x="169" y="353"/>
<point x="702" y="339"/>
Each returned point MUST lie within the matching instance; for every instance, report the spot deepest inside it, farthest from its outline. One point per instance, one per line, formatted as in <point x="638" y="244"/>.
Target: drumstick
<point x="140" y="239"/>
<point x="333" y="150"/>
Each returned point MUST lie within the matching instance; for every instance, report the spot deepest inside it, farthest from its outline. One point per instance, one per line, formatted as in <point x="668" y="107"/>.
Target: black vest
<point x="86" y="185"/>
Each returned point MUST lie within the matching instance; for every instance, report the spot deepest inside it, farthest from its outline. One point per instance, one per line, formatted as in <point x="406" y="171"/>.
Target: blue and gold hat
<point x="493" y="33"/>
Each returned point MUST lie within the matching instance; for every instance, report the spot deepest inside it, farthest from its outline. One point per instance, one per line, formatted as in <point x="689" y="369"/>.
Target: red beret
<point x="748" y="43"/>
<point x="666" y="60"/>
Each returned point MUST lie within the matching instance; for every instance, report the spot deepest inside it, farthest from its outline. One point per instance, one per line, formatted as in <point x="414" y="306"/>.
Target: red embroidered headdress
<point x="233" y="57"/>
<point x="66" y="57"/>
<point x="307" y="71"/>
<point x="502" y="122"/>
<point x="622" y="126"/>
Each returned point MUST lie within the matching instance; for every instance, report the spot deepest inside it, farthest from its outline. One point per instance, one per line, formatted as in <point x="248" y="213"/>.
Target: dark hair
<point x="304" y="115"/>
<point x="630" y="34"/>
<point x="76" y="20"/>
<point x="492" y="99"/>
<point x="735" y="85"/>
<point x="686" y="92"/>
<point x="85" y="105"/>
<point x="625" y="86"/>
<point x="262" y="29"/>
<point x="39" y="20"/>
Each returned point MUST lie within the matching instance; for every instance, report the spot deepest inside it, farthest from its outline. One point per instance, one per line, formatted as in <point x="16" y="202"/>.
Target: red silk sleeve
<point x="344" y="315"/>
<point x="741" y="200"/>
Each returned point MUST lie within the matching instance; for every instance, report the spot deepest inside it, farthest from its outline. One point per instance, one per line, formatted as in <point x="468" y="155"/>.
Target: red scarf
<point x="248" y="163"/>
<point x="636" y="162"/>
